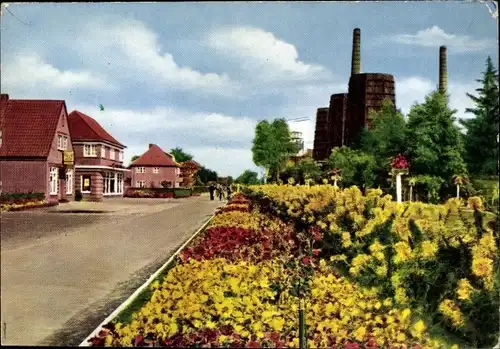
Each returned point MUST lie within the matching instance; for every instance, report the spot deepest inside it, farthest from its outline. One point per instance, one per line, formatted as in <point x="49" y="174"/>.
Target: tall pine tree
<point x="434" y="142"/>
<point x="481" y="147"/>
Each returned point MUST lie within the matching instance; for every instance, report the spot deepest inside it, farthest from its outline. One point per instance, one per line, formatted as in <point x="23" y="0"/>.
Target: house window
<point x="85" y="183"/>
<point x="156" y="170"/>
<point x="140" y="170"/>
<point x="141" y="184"/>
<point x="0" y="138"/>
<point x="103" y="152"/>
<point x="120" y="156"/>
<point x="113" y="183"/>
<point x="112" y="154"/>
<point x="54" y="181"/>
<point x="69" y="181"/>
<point x="62" y="142"/>
<point x="119" y="183"/>
<point x="90" y="150"/>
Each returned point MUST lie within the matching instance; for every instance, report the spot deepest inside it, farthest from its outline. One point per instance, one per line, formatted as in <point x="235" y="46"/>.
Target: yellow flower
<point x="450" y="310"/>
<point x="464" y="289"/>
<point x="360" y="333"/>
<point x="405" y="313"/>
<point x="277" y="323"/>
<point x="429" y="249"/>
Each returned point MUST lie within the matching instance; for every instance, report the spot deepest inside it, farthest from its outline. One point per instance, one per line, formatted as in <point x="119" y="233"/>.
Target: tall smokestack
<point x="443" y="75"/>
<point x="356" y="55"/>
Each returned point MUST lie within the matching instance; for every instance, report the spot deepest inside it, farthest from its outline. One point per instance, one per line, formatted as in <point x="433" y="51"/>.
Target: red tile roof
<point x="28" y="126"/>
<point x="154" y="156"/>
<point x="84" y="128"/>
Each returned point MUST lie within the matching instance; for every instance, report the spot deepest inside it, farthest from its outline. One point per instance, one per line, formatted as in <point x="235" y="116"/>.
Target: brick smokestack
<point x="356" y="52"/>
<point x="443" y="75"/>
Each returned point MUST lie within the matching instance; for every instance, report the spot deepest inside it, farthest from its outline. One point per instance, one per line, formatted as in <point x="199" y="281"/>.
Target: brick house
<point x="98" y="157"/>
<point x="34" y="135"/>
<point x="153" y="167"/>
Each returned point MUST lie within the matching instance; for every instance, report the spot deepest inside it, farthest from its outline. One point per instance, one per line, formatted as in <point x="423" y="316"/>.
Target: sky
<point x="200" y="75"/>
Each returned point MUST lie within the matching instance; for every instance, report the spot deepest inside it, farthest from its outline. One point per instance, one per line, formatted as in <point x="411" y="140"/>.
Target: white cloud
<point x="140" y="50"/>
<point x="263" y="54"/>
<point x="435" y="36"/>
<point x="208" y="134"/>
<point x="30" y="72"/>
<point x="226" y="161"/>
<point x="411" y="90"/>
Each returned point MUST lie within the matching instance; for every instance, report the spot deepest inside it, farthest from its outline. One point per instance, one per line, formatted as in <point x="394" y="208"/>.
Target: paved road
<point x="62" y="274"/>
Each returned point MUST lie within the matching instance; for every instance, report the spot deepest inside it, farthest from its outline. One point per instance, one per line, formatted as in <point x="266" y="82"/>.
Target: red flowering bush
<point x="399" y="162"/>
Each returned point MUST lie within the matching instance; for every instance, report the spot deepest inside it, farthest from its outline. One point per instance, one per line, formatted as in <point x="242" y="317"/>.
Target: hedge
<point x="21" y="197"/>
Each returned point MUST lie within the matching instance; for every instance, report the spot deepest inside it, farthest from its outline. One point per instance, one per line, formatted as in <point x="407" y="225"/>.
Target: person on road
<point x="220" y="191"/>
<point x="229" y="189"/>
<point x="211" y="189"/>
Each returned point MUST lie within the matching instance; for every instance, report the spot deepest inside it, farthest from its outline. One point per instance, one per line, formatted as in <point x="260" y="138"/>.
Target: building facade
<point x="99" y="170"/>
<point x="153" y="168"/>
<point x="34" y="142"/>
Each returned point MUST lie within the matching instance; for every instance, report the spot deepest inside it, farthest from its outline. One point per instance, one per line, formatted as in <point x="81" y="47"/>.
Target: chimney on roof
<point x="4" y="97"/>
<point x="443" y="75"/>
<point x="150" y="145"/>
<point x="356" y="52"/>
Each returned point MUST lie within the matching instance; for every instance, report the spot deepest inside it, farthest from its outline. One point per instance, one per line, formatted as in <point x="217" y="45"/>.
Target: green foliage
<point x="434" y="142"/>
<point x="180" y="155"/>
<point x="387" y="135"/>
<point x="248" y="178"/>
<point x="206" y="175"/>
<point x="481" y="147"/>
<point x="135" y="157"/>
<point x="357" y="167"/>
<point x="272" y="145"/>
<point x="304" y="169"/>
<point x="431" y="185"/>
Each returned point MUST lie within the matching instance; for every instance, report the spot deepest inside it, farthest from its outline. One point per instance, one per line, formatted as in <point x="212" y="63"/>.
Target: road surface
<point x="63" y="273"/>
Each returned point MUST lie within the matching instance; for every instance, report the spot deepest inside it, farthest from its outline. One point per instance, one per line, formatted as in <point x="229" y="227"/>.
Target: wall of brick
<point x="154" y="179"/>
<point x="95" y="161"/>
<point x="24" y="176"/>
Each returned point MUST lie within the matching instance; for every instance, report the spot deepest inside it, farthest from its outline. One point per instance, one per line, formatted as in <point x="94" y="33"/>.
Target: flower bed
<point x="239" y="284"/>
<point x="427" y="257"/>
<point x="26" y="205"/>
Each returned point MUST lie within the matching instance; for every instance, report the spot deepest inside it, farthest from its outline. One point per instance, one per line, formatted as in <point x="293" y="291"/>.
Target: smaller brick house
<point x="99" y="158"/>
<point x="153" y="167"/>
<point x="34" y="137"/>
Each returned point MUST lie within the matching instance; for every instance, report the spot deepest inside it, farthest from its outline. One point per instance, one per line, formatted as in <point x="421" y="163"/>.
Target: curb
<point x="134" y="295"/>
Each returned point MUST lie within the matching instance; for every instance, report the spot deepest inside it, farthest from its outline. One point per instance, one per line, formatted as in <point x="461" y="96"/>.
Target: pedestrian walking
<point x="220" y="191"/>
<point x="211" y="189"/>
<point x="229" y="191"/>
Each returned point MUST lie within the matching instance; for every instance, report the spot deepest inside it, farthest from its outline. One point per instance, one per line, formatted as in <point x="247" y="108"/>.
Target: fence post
<point x="302" y="325"/>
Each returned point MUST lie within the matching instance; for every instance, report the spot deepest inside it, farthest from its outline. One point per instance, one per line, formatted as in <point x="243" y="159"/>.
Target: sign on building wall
<point x="69" y="158"/>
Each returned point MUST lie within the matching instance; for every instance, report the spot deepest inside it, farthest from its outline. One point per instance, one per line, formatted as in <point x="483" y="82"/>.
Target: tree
<point x="248" y="178"/>
<point x="135" y="157"/>
<point x="385" y="139"/>
<point x="481" y="148"/>
<point x="180" y="155"/>
<point x="206" y="175"/>
<point x="272" y="145"/>
<point x="357" y="167"/>
<point x="434" y="143"/>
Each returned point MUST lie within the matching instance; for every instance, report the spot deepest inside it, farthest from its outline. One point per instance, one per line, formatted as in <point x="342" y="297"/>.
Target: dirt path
<point x="56" y="289"/>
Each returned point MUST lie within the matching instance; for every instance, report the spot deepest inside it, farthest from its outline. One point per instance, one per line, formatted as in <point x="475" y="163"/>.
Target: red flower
<point x="316" y="252"/>
<point x="371" y="344"/>
<point x="306" y="260"/>
<point x="253" y="344"/>
<point x="351" y="345"/>
<point x="416" y="346"/>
